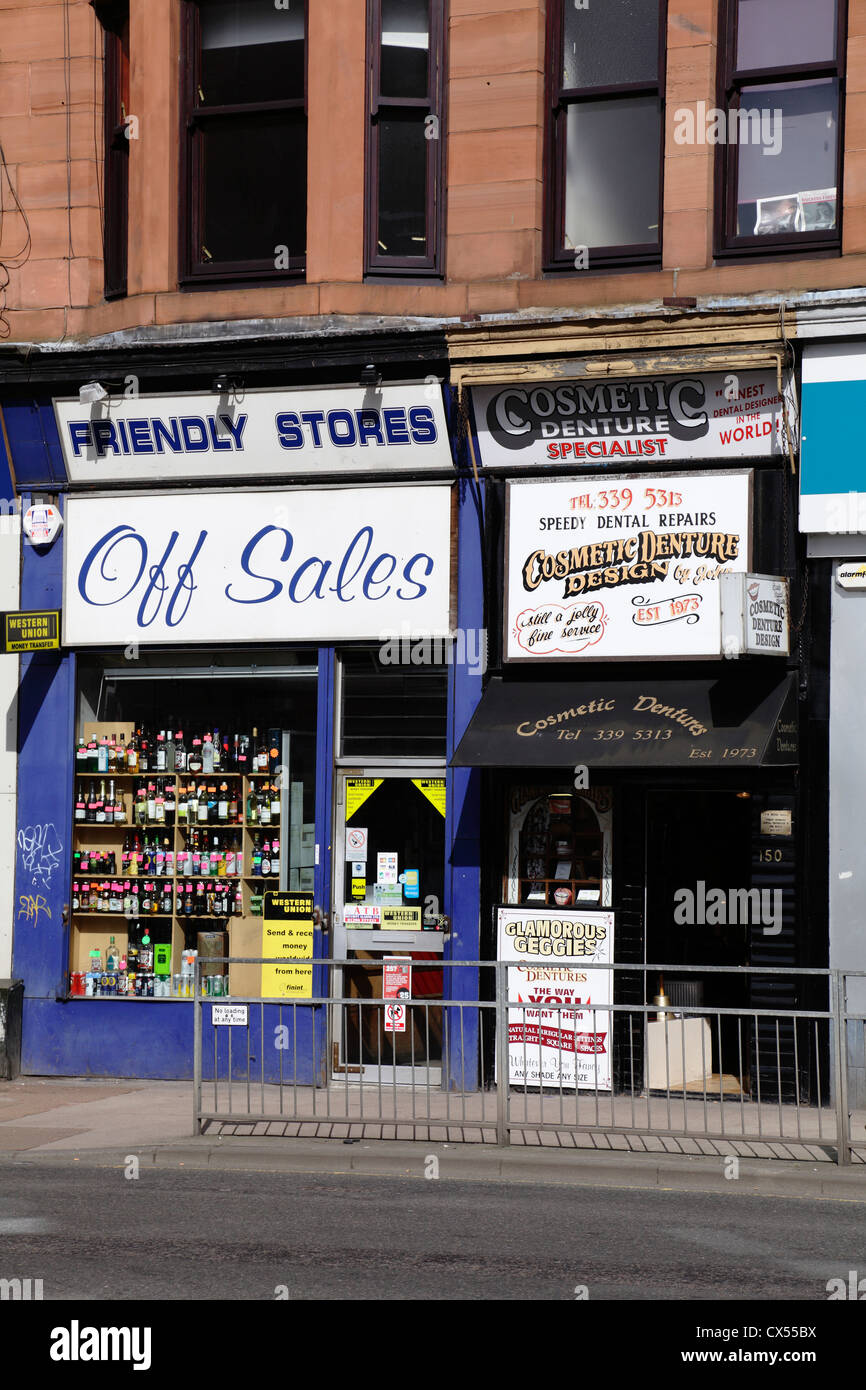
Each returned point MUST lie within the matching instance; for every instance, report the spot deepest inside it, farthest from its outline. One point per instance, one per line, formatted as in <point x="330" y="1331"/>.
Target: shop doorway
<point x="697" y="841"/>
<point x="389" y="863"/>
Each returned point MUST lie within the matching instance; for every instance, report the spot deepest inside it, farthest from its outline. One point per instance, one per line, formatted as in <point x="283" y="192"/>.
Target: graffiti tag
<point x="31" y="907"/>
<point x="41" y="849"/>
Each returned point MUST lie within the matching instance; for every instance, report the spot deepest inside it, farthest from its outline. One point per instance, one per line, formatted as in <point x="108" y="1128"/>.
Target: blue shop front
<point x="256" y="691"/>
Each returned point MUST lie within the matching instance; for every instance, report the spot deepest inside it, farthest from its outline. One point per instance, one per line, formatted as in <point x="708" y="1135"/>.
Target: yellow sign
<point x="31" y="632"/>
<point x="395" y="917"/>
<point x="434" y="790"/>
<point x="357" y="791"/>
<point x="287" y="932"/>
<point x="359" y="889"/>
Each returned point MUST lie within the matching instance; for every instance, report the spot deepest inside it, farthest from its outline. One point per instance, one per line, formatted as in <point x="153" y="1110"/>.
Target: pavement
<point x="102" y="1122"/>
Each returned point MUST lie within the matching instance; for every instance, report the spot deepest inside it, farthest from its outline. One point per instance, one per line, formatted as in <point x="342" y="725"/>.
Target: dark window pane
<point x="405" y="46"/>
<point x="393" y="711"/>
<point x="612" y="173"/>
<point x="251" y="51"/>
<point x="776" y="33"/>
<point x="255" y="187"/>
<point x="787" y="165"/>
<point x="402" y="187"/>
<point x="611" y="41"/>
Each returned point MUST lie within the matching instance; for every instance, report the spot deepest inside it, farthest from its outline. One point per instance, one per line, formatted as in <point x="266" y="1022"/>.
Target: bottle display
<point x="176" y="832"/>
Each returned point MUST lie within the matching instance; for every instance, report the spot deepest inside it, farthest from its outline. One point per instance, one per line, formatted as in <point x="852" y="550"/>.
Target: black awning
<point x="732" y="722"/>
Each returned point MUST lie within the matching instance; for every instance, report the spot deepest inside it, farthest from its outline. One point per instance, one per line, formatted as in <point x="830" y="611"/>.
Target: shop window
<point x="406" y="136"/>
<point x="194" y="796"/>
<point x="779" y="161"/>
<point x="118" y="130"/>
<point x="394" y="709"/>
<point x="559" y="847"/>
<point x="605" y="133"/>
<point x="245" y="141"/>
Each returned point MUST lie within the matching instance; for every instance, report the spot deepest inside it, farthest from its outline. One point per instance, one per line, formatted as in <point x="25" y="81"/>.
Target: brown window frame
<point x="557" y="258"/>
<point x="194" y="270"/>
<point x="730" y="81"/>
<point x="113" y="15"/>
<point x="429" y="266"/>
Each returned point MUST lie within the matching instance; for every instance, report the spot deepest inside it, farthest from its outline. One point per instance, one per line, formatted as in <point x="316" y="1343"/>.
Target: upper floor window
<point x="406" y="136"/>
<point x="244" y="194"/>
<point x="779" y="167"/>
<point x="605" y="81"/>
<point x="119" y="127"/>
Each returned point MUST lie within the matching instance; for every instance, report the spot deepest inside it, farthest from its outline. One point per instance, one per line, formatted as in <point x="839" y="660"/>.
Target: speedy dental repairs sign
<point x="591" y="422"/>
<point x="282" y="565"/>
<point x="389" y="429"/>
<point x="561" y="1034"/>
<point x="622" y="567"/>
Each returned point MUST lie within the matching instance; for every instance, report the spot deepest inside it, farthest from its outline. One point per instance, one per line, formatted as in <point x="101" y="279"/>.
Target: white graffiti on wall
<point x="41" y="848"/>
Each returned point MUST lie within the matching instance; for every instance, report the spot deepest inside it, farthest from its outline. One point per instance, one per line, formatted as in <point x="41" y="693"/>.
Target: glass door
<point x="389" y="866"/>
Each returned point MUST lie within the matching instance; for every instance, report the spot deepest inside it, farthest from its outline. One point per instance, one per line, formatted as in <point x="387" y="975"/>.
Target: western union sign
<point x="31" y="632"/>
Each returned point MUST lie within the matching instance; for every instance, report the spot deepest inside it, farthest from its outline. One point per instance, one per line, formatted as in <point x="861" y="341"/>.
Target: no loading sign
<point x="395" y="1018"/>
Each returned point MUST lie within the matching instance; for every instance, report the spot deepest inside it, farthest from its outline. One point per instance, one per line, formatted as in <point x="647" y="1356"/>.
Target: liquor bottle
<point x="217" y="751"/>
<point x="100" y="805"/>
<point x="252" y="805"/>
<point x="273" y="751"/>
<point x="119" y="808"/>
<point x="167" y="858"/>
<point x="200" y="898"/>
<point x="121" y="753"/>
<point x="132" y="753"/>
<point x="266" y="859"/>
<point x="233" y="805"/>
<point x="159" y="803"/>
<point x="257" y="856"/>
<point x="223" y="804"/>
<point x="254" y="751"/>
<point x="81" y="756"/>
<point x="150" y="803"/>
<point x="182" y="809"/>
<point x="109" y="803"/>
<point x="169" y="751"/>
<point x="236" y="748"/>
<point x="103" y="754"/>
<point x="265" y="805"/>
<point x="188" y="903"/>
<point x="80" y="807"/>
<point x="179" y="753"/>
<point x="244" y="753"/>
<point x="128" y="897"/>
<point x="202" y="815"/>
<point x="145" y="951"/>
<point x="170" y="804"/>
<point x="112" y="754"/>
<point x="238" y="907"/>
<point x="160" y="751"/>
<point x="207" y="754"/>
<point x="194" y="761"/>
<point x="212" y="802"/>
<point x="143" y="753"/>
<point x="77" y="891"/>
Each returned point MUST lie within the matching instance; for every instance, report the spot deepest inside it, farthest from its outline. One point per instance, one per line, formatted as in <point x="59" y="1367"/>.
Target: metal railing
<point x="768" y="1069"/>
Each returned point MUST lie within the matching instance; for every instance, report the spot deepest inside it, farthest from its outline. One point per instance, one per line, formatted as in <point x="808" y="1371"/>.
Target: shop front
<point x="638" y="737"/>
<point x="223" y="721"/>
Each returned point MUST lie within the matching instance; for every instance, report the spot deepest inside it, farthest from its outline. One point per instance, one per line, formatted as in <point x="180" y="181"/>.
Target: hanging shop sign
<point x="32" y="631"/>
<point x="643" y="420"/>
<point x="302" y="565"/>
<point x="622" y="567"/>
<point x="755" y="615"/>
<point x="287" y="935"/>
<point x="389" y="429"/>
<point x="560" y="1035"/>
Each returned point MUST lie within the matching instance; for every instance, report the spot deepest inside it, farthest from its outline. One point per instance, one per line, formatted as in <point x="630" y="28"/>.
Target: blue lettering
<point x="139" y="433"/>
<point x="236" y="430"/>
<point x="370" y="578"/>
<point x="395" y="426"/>
<point x="250" y="546"/>
<point x="79" y="434"/>
<point x="218" y="443"/>
<point x="104" y="436"/>
<point x="407" y="574"/>
<point x="324" y="566"/>
<point x="111" y="539"/>
<point x="423" y="425"/>
<point x="184" y="585"/>
<point x="188" y="424"/>
<point x="171" y="436"/>
<point x="342" y="581"/>
<point x="341" y="417"/>
<point x="121" y="430"/>
<point x="289" y="432"/>
<point x="369" y="426"/>
<point x="313" y="418"/>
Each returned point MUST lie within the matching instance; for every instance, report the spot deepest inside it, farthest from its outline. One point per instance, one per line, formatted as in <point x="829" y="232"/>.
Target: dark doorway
<point x="699" y="841"/>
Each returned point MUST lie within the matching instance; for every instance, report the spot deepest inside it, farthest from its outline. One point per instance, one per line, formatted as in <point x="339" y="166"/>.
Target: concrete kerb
<point x="409" y="1159"/>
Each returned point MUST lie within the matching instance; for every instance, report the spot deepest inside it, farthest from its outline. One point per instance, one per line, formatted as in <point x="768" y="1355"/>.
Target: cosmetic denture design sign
<point x="255" y="434"/>
<point x="303" y="565"/>
<point x="650" y="420"/>
<point x="607" y="568"/>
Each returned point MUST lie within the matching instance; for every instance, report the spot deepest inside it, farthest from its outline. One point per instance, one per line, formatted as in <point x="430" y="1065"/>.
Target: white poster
<point x="561" y="1035"/>
<point x="283" y="566"/>
<point x="622" y="567"/>
<point x="715" y="415"/>
<point x="352" y="429"/>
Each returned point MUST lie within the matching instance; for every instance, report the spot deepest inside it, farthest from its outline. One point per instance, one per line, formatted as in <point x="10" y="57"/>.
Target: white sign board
<point x="622" y="567"/>
<point x="718" y="415"/>
<point x="388" y="429"/>
<point x="281" y="566"/>
<point x="563" y="1039"/>
<point x="851" y="575"/>
<point x="755" y="615"/>
<point x="229" y="1015"/>
<point x="395" y="1018"/>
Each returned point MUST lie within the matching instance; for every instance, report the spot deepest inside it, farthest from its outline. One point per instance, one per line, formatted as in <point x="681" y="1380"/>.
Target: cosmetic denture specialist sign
<point x="357" y="430"/>
<point x="647" y="420"/>
<point x="610" y="568"/>
<point x="304" y="565"/>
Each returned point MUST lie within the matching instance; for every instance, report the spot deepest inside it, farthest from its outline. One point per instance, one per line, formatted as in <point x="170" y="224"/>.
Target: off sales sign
<point x="280" y="565"/>
<point x="559" y="1030"/>
<point x="622" y="567"/>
